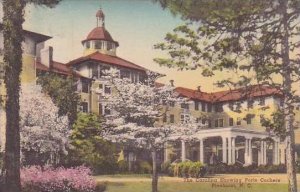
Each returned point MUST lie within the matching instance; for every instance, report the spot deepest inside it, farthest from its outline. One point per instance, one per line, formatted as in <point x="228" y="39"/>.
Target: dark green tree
<point x="256" y="36"/>
<point x="63" y="93"/>
<point x="13" y="36"/>
<point x="89" y="147"/>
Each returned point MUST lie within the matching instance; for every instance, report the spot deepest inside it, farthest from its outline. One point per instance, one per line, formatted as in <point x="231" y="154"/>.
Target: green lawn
<point x="169" y="186"/>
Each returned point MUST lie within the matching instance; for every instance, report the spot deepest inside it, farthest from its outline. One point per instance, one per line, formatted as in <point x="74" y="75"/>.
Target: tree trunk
<point x="154" y="173"/>
<point x="288" y="106"/>
<point x="12" y="31"/>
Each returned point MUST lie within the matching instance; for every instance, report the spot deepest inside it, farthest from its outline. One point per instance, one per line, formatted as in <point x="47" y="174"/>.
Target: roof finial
<point x="100" y="17"/>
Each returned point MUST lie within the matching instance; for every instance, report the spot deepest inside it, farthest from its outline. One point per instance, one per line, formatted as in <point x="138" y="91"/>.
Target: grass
<point x="169" y="186"/>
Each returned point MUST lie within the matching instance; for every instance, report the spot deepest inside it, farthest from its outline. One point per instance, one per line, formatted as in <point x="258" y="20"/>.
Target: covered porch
<point x="228" y="145"/>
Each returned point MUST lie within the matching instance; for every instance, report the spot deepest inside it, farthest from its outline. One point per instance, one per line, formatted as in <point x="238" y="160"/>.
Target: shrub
<point x="186" y="169"/>
<point x="123" y="166"/>
<point x="48" y="179"/>
<point x="144" y="167"/>
<point x="165" y="167"/>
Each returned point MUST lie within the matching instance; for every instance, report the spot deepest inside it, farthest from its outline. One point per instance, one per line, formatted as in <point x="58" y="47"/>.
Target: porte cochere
<point x="228" y="145"/>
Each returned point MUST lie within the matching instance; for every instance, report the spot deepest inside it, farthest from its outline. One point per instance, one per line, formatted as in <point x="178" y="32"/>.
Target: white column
<point x="246" y="157"/>
<point x="224" y="149"/>
<point x="264" y="153"/>
<point x="229" y="151"/>
<point x="201" y="151"/>
<point x="276" y="153"/>
<point x="261" y="155"/>
<point x="233" y="150"/>
<point x="183" y="155"/>
<point x="250" y="152"/>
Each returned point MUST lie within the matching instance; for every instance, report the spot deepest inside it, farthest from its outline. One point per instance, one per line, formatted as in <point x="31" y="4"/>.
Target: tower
<point x="99" y="39"/>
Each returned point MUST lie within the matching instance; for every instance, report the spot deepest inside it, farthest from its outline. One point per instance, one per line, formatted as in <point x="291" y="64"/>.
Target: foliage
<point x="48" y="179"/>
<point x="43" y="131"/>
<point x="186" y="169"/>
<point x="122" y="166"/>
<point x="89" y="147"/>
<point x="61" y="90"/>
<point x="165" y="167"/>
<point x="275" y="123"/>
<point x="144" y="167"/>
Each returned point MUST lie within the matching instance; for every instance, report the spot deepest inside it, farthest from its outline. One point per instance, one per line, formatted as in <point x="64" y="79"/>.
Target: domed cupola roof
<point x="100" y="33"/>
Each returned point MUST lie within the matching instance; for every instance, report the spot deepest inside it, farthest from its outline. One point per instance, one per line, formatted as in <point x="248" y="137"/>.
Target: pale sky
<point x="136" y="24"/>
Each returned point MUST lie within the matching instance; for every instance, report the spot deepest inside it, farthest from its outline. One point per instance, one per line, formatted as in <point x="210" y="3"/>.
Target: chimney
<point x="47" y="56"/>
<point x="199" y="88"/>
<point x="172" y="82"/>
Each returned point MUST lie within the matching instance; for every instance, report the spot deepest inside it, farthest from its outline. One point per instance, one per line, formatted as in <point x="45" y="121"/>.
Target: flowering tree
<point x="136" y="110"/>
<point x="43" y="131"/>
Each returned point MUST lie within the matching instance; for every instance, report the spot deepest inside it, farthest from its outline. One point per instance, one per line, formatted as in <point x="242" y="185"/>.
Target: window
<point x="172" y="103"/>
<point x="107" y="89"/>
<point x="198" y="119"/>
<point x="196" y="105"/>
<point x="85" y="86"/>
<point x="209" y="107"/>
<point x="109" y="46"/>
<point x="248" y="119"/>
<point x="230" y="105"/>
<point x="203" y="106"/>
<point x="84" y="107"/>
<point x="219" y="107"/>
<point x="94" y="71"/>
<point x="238" y="121"/>
<point x="230" y="121"/>
<point x="184" y="118"/>
<point x="203" y="121"/>
<point x="172" y="119"/>
<point x="262" y="101"/>
<point x="221" y="123"/>
<point x="125" y="74"/>
<point x="98" y="44"/>
<point x="164" y="118"/>
<point x="209" y="123"/>
<point x="88" y="44"/>
<point x="100" y="109"/>
<point x="250" y="103"/>
<point x="184" y="105"/>
<point x="216" y="123"/>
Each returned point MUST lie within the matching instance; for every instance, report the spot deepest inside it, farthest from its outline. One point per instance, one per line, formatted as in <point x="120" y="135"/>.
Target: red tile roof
<point x="193" y="94"/>
<point x="229" y="95"/>
<point x="58" y="68"/>
<point x="113" y="60"/>
<point x="100" y="33"/>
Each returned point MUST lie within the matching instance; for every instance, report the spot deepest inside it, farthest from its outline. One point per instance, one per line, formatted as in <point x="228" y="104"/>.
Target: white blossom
<point x="137" y="107"/>
<point x="42" y="129"/>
